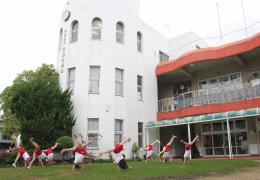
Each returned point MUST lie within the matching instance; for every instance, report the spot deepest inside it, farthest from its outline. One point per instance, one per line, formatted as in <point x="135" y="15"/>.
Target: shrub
<point x="65" y="142"/>
<point x="8" y="159"/>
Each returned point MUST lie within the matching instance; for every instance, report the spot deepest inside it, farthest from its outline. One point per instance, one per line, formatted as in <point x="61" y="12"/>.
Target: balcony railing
<point x="209" y="96"/>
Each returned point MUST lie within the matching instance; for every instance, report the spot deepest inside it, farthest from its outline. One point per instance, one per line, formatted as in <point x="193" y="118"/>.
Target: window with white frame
<point x="74" y="31"/>
<point x="71" y="79"/>
<point x="93" y="132"/>
<point x="255" y="78"/>
<point x="120" y="32"/>
<point x="140" y="134"/>
<point x="163" y="57"/>
<point x="118" y="130"/>
<point x="139" y="42"/>
<point x="139" y="88"/>
<point x="60" y="39"/>
<point x="231" y="81"/>
<point x="94" y="76"/>
<point x="96" y="28"/>
<point x="119" y="82"/>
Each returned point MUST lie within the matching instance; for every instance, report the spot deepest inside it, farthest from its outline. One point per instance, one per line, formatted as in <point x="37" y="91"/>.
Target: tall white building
<point x="107" y="57"/>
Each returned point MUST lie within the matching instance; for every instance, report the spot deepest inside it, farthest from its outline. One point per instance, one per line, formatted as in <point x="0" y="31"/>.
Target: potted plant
<point x="135" y="150"/>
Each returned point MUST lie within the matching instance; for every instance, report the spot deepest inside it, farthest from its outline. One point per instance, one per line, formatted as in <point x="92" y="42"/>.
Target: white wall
<point x="109" y="55"/>
<point x="184" y="43"/>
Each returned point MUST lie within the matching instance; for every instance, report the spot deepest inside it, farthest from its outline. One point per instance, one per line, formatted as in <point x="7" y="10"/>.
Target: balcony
<point x="209" y="96"/>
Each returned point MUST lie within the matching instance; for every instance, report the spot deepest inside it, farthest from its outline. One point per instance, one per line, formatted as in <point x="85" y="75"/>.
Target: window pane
<point x="74" y="31"/>
<point x="119" y="74"/>
<point x="60" y="40"/>
<point x="118" y="138"/>
<point x="223" y="79"/>
<point x="96" y="28"/>
<point x="256" y="75"/>
<point x="139" y="80"/>
<point x="140" y="140"/>
<point x="74" y="36"/>
<point x="217" y="126"/>
<point x="207" y="139"/>
<point x="96" y="33"/>
<point x="94" y="71"/>
<point x="218" y="140"/>
<point x="119" y="89"/>
<point x="163" y="56"/>
<point x="72" y="74"/>
<point x="94" y="140"/>
<point x="140" y="127"/>
<point x="206" y="127"/>
<point x="235" y="78"/>
<point x="94" y="86"/>
<point x="118" y="125"/>
<point x="202" y="84"/>
<point x="71" y="79"/>
<point x="119" y="32"/>
<point x="94" y="75"/>
<point x="93" y="125"/>
<point x="240" y="124"/>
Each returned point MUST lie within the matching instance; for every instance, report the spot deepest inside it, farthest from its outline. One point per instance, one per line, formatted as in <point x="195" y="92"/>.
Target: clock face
<point x="66" y="15"/>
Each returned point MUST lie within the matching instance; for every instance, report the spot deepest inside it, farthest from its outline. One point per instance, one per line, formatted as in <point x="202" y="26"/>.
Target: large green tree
<point x="42" y="109"/>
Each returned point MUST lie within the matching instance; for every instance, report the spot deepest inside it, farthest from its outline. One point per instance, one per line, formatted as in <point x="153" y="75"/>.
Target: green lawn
<point x="140" y="170"/>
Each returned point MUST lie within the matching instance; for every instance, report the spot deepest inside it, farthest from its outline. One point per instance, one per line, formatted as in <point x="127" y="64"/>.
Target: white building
<point x="107" y="57"/>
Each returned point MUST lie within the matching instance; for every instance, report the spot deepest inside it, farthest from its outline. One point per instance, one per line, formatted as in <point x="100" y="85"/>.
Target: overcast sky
<point x="29" y="28"/>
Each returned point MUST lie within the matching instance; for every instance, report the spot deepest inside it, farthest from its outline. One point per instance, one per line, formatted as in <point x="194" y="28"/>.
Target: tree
<point x="42" y="108"/>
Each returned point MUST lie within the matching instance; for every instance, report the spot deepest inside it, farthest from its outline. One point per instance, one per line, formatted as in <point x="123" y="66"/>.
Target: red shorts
<point x="21" y="150"/>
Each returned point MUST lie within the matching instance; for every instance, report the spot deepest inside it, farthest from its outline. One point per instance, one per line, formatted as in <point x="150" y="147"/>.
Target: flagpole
<point x="244" y="17"/>
<point x="219" y="25"/>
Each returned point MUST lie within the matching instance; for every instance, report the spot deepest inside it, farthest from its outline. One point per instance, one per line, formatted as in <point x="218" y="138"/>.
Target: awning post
<point x="229" y="140"/>
<point x="189" y="135"/>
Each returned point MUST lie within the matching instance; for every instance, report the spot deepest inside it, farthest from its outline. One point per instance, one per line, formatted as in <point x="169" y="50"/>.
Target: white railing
<point x="209" y="96"/>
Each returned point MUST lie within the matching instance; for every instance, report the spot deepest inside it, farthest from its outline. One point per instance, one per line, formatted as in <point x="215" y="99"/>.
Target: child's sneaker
<point x="14" y="165"/>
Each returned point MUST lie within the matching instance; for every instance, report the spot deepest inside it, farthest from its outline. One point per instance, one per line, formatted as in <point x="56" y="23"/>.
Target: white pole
<point x="244" y="16"/>
<point x="229" y="140"/>
<point x="189" y="135"/>
<point x="219" y="25"/>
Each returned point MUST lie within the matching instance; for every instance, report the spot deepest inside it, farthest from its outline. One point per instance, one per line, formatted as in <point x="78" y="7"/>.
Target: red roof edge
<point x="212" y="53"/>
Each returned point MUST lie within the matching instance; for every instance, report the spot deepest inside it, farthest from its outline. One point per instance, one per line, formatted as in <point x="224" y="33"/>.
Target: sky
<point x="30" y="28"/>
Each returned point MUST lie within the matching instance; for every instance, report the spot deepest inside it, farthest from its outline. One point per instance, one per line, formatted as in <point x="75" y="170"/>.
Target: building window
<point x="120" y="32"/>
<point x="140" y="134"/>
<point x="215" y="137"/>
<point x="60" y="39"/>
<point x="71" y="79"/>
<point x="96" y="28"/>
<point x="163" y="57"/>
<point x="118" y="130"/>
<point x="93" y="132"/>
<point x="119" y="82"/>
<point x="139" y="88"/>
<point x="230" y="81"/>
<point x="139" y="42"/>
<point x="94" y="76"/>
<point x="74" y="31"/>
<point x="255" y="78"/>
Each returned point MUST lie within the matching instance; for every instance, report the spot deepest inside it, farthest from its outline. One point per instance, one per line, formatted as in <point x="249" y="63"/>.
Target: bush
<point x="8" y="159"/>
<point x="65" y="142"/>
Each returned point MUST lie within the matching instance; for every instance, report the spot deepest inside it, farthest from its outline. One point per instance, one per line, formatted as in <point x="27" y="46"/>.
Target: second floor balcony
<point x="209" y="96"/>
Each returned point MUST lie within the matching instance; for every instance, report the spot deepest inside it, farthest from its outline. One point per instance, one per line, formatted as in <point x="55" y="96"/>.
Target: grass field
<point x="107" y="171"/>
